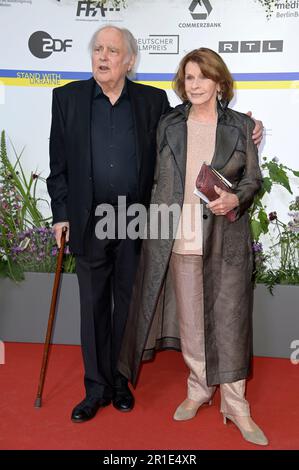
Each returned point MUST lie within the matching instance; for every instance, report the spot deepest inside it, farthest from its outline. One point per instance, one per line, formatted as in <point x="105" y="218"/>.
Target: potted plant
<point x="28" y="259"/>
<point x="27" y="241"/>
<point x="275" y="317"/>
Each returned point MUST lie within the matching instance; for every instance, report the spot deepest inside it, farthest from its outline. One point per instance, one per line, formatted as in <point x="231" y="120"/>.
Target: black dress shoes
<point x="123" y="399"/>
<point x="88" y="408"/>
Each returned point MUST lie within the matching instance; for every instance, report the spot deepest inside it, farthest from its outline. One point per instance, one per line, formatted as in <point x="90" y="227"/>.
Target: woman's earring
<point x="219" y="96"/>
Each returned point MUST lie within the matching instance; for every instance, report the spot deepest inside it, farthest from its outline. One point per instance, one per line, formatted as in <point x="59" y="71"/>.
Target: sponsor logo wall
<point x="44" y="44"/>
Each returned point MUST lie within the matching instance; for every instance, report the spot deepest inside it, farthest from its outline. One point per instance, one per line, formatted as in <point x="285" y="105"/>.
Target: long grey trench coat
<point x="227" y="256"/>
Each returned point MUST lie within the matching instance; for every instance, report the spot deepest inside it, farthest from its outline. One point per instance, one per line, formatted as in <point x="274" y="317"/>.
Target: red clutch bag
<point x="207" y="178"/>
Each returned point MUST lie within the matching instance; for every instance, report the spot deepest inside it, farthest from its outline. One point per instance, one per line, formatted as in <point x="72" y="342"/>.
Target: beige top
<point x="201" y="138"/>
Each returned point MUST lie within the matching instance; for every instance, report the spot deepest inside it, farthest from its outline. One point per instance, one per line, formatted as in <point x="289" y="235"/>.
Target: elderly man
<point x="102" y="146"/>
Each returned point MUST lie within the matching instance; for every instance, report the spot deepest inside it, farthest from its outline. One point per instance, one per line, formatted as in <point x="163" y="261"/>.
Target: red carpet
<point x="273" y="395"/>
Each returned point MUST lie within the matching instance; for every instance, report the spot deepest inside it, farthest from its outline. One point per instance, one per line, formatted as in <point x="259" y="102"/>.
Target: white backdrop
<point x="265" y="61"/>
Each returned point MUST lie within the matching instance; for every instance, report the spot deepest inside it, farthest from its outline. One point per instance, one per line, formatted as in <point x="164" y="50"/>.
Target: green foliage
<point x="280" y="264"/>
<point x="27" y="242"/>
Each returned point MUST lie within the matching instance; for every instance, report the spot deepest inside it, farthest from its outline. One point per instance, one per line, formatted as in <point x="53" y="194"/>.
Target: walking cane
<point x="38" y="400"/>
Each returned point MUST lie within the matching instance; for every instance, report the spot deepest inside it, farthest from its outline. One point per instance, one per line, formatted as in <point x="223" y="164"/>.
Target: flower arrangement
<point x="27" y="242"/>
<point x="279" y="264"/>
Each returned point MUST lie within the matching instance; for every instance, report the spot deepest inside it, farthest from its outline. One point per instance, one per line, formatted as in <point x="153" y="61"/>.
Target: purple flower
<point x="16" y="249"/>
<point x="257" y="247"/>
<point x="54" y="251"/>
<point x="293" y="227"/>
<point x="272" y="216"/>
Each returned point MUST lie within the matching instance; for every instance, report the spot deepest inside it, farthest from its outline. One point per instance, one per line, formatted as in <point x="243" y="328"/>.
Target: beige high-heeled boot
<point x="256" y="436"/>
<point x="183" y="413"/>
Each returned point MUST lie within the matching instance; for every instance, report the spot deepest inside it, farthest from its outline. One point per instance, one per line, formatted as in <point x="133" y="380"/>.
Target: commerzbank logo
<point x="200" y="15"/>
<point x="200" y="9"/>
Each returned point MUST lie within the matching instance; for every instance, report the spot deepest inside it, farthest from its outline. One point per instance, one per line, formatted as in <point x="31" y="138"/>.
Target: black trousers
<point x="106" y="275"/>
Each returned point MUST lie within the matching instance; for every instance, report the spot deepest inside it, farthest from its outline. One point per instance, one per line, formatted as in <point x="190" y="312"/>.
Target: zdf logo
<point x="41" y="44"/>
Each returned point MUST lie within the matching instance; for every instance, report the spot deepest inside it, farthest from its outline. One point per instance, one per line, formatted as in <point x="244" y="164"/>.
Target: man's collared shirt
<point x="113" y="144"/>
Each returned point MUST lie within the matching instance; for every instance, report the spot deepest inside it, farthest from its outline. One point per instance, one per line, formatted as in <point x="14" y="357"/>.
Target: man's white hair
<point x="128" y="37"/>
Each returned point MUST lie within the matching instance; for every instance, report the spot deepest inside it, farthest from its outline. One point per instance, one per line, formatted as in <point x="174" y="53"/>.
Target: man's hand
<point x="57" y="229"/>
<point x="257" y="134"/>
<point x="225" y="202"/>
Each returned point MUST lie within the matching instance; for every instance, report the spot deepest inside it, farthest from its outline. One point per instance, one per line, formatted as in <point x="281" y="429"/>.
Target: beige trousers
<point x="186" y="271"/>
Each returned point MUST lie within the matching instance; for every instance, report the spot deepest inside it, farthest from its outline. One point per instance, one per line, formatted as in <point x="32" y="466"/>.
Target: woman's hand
<point x="225" y="202"/>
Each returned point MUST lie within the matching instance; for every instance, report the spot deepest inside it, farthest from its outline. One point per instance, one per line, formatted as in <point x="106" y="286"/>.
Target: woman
<point x="204" y="282"/>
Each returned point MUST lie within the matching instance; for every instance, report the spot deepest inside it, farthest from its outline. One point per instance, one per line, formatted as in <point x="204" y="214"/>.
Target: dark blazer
<point x="70" y="181"/>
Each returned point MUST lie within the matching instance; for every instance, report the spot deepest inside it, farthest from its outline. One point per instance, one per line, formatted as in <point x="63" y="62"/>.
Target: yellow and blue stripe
<point x="46" y="78"/>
